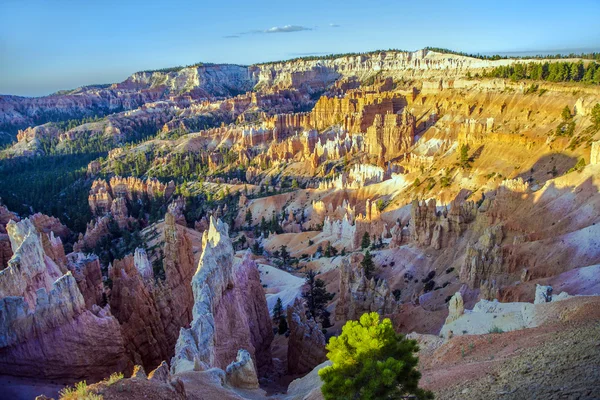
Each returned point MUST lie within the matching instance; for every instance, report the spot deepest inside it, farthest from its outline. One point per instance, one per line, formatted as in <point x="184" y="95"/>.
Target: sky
<point x="48" y="45"/>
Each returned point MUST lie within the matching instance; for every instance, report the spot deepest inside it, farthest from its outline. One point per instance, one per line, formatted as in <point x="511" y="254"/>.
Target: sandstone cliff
<point x="439" y="229"/>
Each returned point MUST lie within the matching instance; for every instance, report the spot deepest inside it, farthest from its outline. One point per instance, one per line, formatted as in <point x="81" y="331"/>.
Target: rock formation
<point x="47" y="331"/>
<point x="483" y="260"/>
<point x="176" y="298"/>
<point x="230" y="309"/>
<point x="5" y="249"/>
<point x="306" y="345"/>
<point x="359" y="295"/>
<point x="241" y="372"/>
<point x="133" y="302"/>
<point x="456" y="308"/>
<point x="439" y="229"/>
<point x="85" y="268"/>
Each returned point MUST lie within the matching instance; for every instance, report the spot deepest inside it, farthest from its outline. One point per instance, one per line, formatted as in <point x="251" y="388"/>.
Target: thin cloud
<point x="231" y="37"/>
<point x="277" y="29"/>
<point x="287" y="28"/>
<point x="334" y="25"/>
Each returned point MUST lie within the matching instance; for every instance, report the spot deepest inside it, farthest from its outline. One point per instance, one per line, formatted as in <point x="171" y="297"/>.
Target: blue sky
<point x="47" y="45"/>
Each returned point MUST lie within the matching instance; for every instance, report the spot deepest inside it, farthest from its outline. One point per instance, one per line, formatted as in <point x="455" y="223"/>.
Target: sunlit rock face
<point x="440" y="229"/>
<point x="230" y="309"/>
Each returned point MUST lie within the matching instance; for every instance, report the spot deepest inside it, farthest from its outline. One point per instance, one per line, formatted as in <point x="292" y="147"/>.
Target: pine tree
<point x="371" y="361"/>
<point x="279" y="317"/>
<point x="249" y="218"/>
<point x="366" y="241"/>
<point x="317" y="297"/>
<point x="464" y="156"/>
<point x="596" y="115"/>
<point x="283" y="326"/>
<point x="566" y="114"/>
<point x="284" y="254"/>
<point x="368" y="265"/>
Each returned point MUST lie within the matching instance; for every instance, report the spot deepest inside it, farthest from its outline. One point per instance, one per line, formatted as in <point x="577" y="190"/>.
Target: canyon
<point x="205" y="194"/>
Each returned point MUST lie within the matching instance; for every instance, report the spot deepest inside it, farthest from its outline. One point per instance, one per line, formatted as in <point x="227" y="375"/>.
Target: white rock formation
<point x="141" y="262"/>
<point x="230" y="309"/>
<point x="456" y="308"/>
<point x="241" y="373"/>
<point x="492" y="316"/>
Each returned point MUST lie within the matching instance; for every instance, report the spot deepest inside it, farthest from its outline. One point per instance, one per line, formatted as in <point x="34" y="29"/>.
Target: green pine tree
<point x="366" y="241"/>
<point x="371" y="361"/>
<point x="249" y="218"/>
<point x="317" y="297"/>
<point x="368" y="265"/>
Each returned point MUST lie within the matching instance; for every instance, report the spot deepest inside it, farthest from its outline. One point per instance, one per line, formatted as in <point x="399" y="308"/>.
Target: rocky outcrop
<point x="241" y="372"/>
<point x="306" y="345"/>
<point x="391" y="135"/>
<point x="456" y="308"/>
<point x="439" y="229"/>
<point x="483" y="259"/>
<point x="315" y="74"/>
<point x="5" y="249"/>
<point x="176" y="299"/>
<point x="133" y="303"/>
<point x="152" y="312"/>
<point x="359" y="295"/>
<point x="103" y="194"/>
<point x="85" y="268"/>
<point x="200" y="80"/>
<point x="46" y="329"/>
<point x="230" y="309"/>
<point x="495" y="317"/>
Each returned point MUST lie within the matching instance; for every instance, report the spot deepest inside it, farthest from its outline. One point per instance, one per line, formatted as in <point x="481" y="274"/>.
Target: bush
<point x="371" y="361"/>
<point x="579" y="166"/>
<point x="495" y="329"/>
<point x="114" y="378"/>
<point x="531" y="89"/>
<point x="79" y="392"/>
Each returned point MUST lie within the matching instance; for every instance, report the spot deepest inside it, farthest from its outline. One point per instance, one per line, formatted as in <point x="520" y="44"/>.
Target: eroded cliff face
<point x="483" y="259"/>
<point x="359" y="295"/>
<point x="133" y="303"/>
<point x="139" y="89"/>
<point x="230" y="309"/>
<point x="315" y="74"/>
<point x="48" y="331"/>
<point x="5" y="248"/>
<point x="175" y="296"/>
<point x="103" y="194"/>
<point x="438" y="229"/>
<point x="200" y="81"/>
<point x="306" y="344"/>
